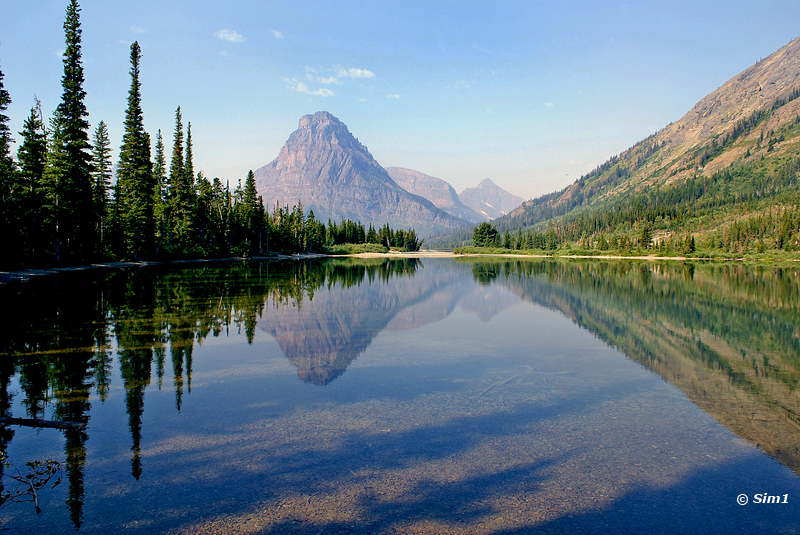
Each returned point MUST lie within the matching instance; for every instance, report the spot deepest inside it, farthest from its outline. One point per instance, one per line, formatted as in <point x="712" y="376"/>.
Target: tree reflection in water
<point x="727" y="335"/>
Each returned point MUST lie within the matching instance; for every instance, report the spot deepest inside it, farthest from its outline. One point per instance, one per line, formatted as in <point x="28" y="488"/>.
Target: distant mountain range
<point x="485" y="202"/>
<point x="323" y="166"/>
<point x="726" y="173"/>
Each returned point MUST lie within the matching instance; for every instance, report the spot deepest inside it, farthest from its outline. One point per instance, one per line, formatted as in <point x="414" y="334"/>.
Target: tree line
<point x="60" y="202"/>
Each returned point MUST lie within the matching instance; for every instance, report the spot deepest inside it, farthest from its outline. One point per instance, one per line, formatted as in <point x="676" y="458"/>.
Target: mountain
<point x="490" y="199"/>
<point x="725" y="173"/>
<point x="436" y="190"/>
<point x="323" y="166"/>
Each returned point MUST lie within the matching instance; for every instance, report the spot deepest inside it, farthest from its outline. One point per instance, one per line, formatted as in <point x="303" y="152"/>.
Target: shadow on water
<point x="728" y="336"/>
<point x="689" y="507"/>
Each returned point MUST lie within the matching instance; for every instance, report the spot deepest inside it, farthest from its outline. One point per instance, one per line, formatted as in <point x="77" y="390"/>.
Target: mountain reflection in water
<point x="727" y="335"/>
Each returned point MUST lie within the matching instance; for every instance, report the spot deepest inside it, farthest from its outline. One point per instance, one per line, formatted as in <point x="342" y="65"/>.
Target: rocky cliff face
<point x="490" y="199"/>
<point x="436" y="190"/>
<point x="323" y="166"/>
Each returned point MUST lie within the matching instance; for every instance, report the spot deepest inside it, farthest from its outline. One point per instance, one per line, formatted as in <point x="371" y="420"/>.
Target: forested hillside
<point x="724" y="177"/>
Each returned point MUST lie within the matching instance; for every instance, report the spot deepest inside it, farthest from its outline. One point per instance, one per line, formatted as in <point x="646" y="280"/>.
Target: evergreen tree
<point x="160" y="166"/>
<point x="176" y="163"/>
<point x="645" y="237"/>
<point x="188" y="165"/>
<point x="135" y="182"/>
<point x="6" y="162"/>
<point x="484" y="235"/>
<point x="180" y="195"/>
<point x="55" y="166"/>
<point x="31" y="156"/>
<point x="507" y="240"/>
<point x="159" y="192"/>
<point x="9" y="198"/>
<point x="75" y="238"/>
<point x="253" y="218"/>
<point x="101" y="174"/>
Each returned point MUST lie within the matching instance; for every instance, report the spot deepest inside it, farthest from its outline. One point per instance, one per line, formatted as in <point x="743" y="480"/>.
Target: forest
<point x="61" y="203"/>
<point x="743" y="210"/>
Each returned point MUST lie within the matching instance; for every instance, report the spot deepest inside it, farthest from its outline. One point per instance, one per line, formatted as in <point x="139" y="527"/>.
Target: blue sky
<point x="529" y="94"/>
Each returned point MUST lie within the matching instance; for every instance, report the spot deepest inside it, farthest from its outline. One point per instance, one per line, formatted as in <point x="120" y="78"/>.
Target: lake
<point x="384" y="396"/>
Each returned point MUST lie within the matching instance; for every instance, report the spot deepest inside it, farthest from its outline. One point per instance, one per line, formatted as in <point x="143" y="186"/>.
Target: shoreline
<point x="27" y="274"/>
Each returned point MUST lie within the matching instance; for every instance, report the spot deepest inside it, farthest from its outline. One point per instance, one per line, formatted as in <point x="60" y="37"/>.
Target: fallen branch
<point x="35" y="422"/>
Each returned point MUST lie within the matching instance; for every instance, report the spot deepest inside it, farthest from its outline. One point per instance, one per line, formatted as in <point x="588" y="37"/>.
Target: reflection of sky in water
<point x="452" y="418"/>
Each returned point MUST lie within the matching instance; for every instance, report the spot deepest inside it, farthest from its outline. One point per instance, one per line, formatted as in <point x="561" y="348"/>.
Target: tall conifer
<point x="75" y="215"/>
<point x="31" y="157"/>
<point x="188" y="164"/>
<point x="159" y="192"/>
<point x="176" y="162"/>
<point x="101" y="175"/>
<point x="7" y="179"/>
<point x="135" y="174"/>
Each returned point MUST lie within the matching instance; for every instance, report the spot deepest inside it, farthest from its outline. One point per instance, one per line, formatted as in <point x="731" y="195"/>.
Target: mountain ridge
<point x="436" y="190"/>
<point x="732" y="158"/>
<point x="489" y="199"/>
<point x="324" y="167"/>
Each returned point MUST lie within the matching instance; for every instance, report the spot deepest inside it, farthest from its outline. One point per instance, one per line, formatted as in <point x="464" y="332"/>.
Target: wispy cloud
<point x="549" y="104"/>
<point x="138" y="29"/>
<point x="326" y="76"/>
<point x="355" y="73"/>
<point x="229" y="35"/>
<point x="394" y="96"/>
<point x="300" y="87"/>
<point x="278" y="35"/>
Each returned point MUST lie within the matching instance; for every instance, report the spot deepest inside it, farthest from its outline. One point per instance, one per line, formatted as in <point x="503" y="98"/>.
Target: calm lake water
<point x="488" y="396"/>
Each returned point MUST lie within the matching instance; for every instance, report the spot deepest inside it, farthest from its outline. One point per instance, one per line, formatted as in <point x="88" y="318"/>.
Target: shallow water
<point x="408" y="396"/>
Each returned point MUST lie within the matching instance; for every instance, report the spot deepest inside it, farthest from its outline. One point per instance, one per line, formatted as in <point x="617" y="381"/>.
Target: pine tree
<point x="180" y="194"/>
<point x="135" y="182"/>
<point x="160" y="193"/>
<point x="101" y="175"/>
<point x="188" y="165"/>
<point x="75" y="236"/>
<point x="8" y="196"/>
<point x="31" y="241"/>
<point x="56" y="162"/>
<point x="176" y="163"/>
<point x="251" y="216"/>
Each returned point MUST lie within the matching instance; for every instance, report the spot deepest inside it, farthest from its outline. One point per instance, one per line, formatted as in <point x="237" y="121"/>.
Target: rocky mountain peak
<point x="489" y="199"/>
<point x="323" y="131"/>
<point x="326" y="168"/>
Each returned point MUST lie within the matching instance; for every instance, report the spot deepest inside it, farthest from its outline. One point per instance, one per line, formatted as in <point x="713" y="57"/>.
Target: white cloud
<point x="328" y="81"/>
<point x="394" y="96"/>
<point x="229" y="35"/>
<point x="355" y="73"/>
<point x="362" y="99"/>
<point x="278" y="35"/>
<point x="549" y="104"/>
<point x="300" y="87"/>
<point x="138" y="29"/>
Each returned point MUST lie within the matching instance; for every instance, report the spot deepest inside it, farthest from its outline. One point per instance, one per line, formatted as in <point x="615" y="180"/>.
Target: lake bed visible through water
<point x="480" y="396"/>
